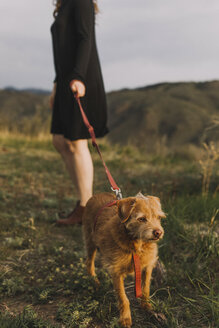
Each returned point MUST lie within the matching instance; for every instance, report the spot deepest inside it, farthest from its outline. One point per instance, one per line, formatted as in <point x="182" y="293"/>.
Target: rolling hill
<point x="173" y="114"/>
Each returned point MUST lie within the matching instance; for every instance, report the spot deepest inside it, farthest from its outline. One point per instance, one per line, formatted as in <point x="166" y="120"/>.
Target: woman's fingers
<point x="78" y="88"/>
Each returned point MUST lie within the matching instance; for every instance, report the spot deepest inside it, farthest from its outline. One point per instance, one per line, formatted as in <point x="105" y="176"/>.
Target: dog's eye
<point x="143" y="219"/>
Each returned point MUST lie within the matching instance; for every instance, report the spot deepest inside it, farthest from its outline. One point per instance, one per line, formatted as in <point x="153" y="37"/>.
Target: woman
<point x="76" y="64"/>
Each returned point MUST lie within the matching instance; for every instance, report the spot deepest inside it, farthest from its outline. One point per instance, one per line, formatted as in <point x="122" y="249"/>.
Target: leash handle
<point x="90" y="128"/>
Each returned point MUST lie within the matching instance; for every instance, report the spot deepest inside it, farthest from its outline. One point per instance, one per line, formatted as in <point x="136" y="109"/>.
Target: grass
<point x="43" y="281"/>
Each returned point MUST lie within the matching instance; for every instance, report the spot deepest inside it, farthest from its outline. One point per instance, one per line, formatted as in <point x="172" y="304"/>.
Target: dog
<point x="132" y="225"/>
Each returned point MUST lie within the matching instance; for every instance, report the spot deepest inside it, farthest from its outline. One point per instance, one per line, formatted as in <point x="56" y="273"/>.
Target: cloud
<point x="160" y="41"/>
<point x="140" y="42"/>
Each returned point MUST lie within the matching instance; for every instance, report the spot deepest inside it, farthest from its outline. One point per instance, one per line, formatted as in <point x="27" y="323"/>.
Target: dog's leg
<point x="124" y="308"/>
<point x="146" y="275"/>
<point x="146" y="279"/>
<point x="91" y="253"/>
<point x="91" y="250"/>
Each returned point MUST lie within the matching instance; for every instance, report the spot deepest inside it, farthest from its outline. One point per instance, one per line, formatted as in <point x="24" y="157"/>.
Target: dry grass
<point x="43" y="265"/>
<point x="5" y="134"/>
<point x="208" y="163"/>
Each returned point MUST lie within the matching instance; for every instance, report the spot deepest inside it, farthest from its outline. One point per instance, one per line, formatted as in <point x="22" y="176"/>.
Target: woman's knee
<point x="79" y="146"/>
<point x="63" y="145"/>
<point x="59" y="143"/>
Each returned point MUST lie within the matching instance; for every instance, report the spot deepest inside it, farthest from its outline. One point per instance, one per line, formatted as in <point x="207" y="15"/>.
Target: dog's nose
<point x="157" y="233"/>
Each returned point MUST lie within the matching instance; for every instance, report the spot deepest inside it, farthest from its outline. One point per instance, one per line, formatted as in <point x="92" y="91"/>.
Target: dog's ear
<point x="157" y="205"/>
<point x="125" y="208"/>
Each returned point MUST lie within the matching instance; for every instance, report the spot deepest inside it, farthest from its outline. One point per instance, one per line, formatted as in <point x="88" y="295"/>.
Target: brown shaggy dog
<point x="131" y="226"/>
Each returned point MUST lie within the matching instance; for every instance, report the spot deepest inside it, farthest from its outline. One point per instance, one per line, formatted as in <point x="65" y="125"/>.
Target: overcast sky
<point x="140" y="42"/>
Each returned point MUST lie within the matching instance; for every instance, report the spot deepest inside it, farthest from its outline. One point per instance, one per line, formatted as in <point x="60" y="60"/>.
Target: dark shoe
<point x="75" y="217"/>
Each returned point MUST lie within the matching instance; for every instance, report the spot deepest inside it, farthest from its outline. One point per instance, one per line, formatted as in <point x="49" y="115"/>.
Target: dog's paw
<point x="96" y="282"/>
<point x="146" y="306"/>
<point x="125" y="322"/>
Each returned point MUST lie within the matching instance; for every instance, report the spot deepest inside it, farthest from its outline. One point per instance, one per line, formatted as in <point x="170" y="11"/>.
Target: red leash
<point x="112" y="182"/>
<point x="116" y="189"/>
<point x="137" y="264"/>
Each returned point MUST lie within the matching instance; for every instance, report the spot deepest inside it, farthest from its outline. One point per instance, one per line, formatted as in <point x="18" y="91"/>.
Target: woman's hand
<point x="52" y="96"/>
<point x="78" y="88"/>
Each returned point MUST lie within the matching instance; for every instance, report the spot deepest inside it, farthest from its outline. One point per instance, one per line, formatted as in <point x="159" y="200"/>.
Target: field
<point x="43" y="281"/>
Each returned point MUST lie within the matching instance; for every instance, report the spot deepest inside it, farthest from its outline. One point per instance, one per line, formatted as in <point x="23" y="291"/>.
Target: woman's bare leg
<point x="78" y="162"/>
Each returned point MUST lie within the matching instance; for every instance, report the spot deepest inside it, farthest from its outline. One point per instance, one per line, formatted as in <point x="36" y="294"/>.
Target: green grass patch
<point x="43" y="281"/>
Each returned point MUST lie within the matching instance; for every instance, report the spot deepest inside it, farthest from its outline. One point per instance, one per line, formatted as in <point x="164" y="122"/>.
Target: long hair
<point x="57" y="4"/>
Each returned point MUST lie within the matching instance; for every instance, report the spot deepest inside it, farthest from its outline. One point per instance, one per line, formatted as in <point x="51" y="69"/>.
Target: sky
<point x="140" y="42"/>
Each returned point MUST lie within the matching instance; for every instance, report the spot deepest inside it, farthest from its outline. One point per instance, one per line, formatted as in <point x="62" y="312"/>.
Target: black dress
<point x="75" y="57"/>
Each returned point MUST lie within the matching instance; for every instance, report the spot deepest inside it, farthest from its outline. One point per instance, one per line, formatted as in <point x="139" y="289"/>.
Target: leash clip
<point x="117" y="192"/>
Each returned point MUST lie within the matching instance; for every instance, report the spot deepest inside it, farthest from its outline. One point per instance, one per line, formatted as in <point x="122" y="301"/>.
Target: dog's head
<point x="141" y="216"/>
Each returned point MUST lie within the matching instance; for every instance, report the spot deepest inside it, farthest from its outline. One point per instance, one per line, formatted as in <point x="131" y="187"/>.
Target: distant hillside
<point x="173" y="114"/>
<point x="24" y="112"/>
<point x="31" y="90"/>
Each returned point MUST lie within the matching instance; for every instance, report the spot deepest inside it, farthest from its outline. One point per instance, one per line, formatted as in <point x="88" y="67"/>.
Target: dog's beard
<point x="146" y="236"/>
<point x="139" y="233"/>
